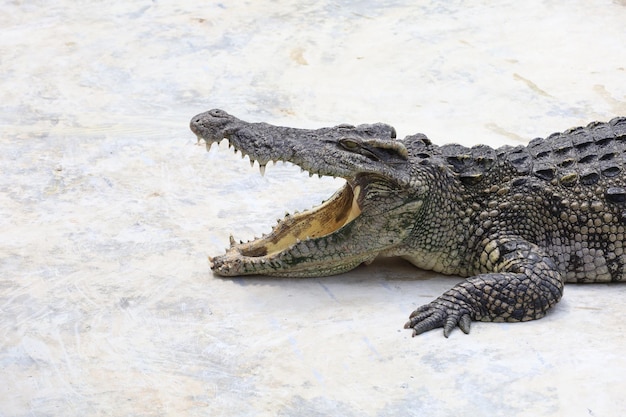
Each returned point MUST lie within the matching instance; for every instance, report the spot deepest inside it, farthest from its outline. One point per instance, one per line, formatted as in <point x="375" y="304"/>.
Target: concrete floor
<point x="108" y="209"/>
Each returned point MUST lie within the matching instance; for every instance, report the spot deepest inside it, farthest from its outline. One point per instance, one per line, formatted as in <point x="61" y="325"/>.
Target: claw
<point x="433" y="315"/>
<point x="262" y="169"/>
<point x="423" y="320"/>
<point x="464" y="323"/>
<point x="450" y="324"/>
<point x="232" y="241"/>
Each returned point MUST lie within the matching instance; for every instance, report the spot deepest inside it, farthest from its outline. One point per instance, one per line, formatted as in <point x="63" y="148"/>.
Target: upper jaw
<point x="318" y="151"/>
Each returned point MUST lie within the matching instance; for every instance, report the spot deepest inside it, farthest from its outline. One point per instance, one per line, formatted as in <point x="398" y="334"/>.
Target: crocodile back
<point x="566" y="193"/>
<point x="582" y="155"/>
<point x="579" y="156"/>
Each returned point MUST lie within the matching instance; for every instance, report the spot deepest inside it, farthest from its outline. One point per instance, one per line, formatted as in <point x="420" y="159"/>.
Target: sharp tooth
<point x="232" y="241"/>
<point x="208" y="145"/>
<point x="262" y="169"/>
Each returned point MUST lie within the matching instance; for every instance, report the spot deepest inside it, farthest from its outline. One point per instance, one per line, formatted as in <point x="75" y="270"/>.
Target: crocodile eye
<point x="349" y="144"/>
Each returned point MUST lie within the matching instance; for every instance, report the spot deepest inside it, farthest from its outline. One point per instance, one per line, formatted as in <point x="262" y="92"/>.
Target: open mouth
<point x="323" y="220"/>
<point x="301" y="244"/>
<point x="319" y="241"/>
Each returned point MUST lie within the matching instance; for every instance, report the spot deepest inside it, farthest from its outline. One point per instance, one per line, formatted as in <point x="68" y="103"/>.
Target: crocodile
<point x="517" y="222"/>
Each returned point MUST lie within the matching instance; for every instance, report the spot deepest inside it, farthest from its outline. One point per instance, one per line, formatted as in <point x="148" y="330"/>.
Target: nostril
<point x="194" y="124"/>
<point x="219" y="113"/>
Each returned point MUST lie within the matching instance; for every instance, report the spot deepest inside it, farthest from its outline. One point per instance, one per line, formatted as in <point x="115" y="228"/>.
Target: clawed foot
<point x="439" y="313"/>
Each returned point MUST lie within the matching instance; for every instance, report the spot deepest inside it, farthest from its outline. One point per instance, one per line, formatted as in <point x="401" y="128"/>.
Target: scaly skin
<point x="518" y="222"/>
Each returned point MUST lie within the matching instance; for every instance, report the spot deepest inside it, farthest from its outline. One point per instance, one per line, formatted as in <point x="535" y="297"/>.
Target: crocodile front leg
<point x="523" y="285"/>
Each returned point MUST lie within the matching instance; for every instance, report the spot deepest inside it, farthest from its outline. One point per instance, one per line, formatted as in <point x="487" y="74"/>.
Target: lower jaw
<point x="239" y="266"/>
<point x="296" y="237"/>
<point x="312" y="273"/>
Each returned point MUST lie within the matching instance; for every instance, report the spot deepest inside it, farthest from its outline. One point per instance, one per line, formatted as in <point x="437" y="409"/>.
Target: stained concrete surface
<point x="108" y="209"/>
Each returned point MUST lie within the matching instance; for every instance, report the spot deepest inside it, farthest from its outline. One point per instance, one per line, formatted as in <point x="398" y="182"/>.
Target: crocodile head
<point x="372" y="213"/>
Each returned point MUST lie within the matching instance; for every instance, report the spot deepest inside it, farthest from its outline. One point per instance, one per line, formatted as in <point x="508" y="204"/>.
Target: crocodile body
<point x="518" y="222"/>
